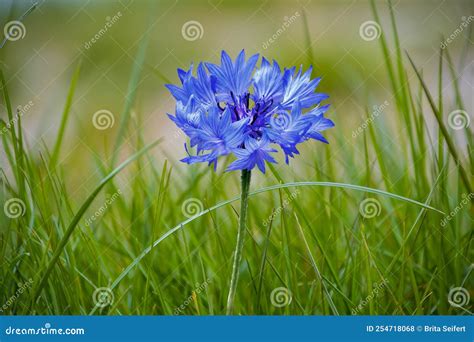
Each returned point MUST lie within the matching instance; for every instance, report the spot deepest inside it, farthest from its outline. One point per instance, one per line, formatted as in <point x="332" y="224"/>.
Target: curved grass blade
<point x="82" y="210"/>
<point x="253" y="193"/>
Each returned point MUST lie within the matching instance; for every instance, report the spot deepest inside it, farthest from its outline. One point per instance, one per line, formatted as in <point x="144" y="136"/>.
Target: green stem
<point x="240" y="240"/>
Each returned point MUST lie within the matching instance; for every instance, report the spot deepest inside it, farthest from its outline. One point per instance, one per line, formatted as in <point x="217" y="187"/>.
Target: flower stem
<point x="240" y="240"/>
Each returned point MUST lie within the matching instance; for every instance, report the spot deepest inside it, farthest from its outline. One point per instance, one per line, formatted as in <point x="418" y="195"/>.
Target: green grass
<point x="305" y="230"/>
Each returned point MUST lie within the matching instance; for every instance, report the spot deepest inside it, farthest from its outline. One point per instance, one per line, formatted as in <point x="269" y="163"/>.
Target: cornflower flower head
<point x="239" y="109"/>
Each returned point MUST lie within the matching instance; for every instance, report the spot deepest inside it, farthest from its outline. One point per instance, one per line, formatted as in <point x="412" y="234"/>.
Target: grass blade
<point x="65" y="116"/>
<point x="23" y="16"/>
<point x="81" y="211"/>
<point x="444" y="130"/>
<point x="132" y="91"/>
<point x="316" y="269"/>
<point x="253" y="193"/>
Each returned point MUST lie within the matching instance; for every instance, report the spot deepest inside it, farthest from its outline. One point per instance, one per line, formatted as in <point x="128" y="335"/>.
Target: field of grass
<point x="380" y="221"/>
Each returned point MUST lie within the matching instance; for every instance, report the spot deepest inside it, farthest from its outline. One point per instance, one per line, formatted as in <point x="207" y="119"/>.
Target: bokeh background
<point x="40" y="66"/>
<point x="150" y="38"/>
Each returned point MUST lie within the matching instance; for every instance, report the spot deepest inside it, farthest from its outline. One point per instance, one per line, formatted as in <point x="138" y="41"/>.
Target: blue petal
<point x="255" y="153"/>
<point x="233" y="77"/>
<point x="300" y="87"/>
<point x="268" y="82"/>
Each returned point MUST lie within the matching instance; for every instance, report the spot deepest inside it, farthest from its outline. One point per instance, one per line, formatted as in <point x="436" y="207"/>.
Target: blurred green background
<point x="38" y="68"/>
<point x="422" y="261"/>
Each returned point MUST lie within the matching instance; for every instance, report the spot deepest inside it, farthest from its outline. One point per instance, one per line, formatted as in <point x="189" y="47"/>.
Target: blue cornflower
<point x="239" y="109"/>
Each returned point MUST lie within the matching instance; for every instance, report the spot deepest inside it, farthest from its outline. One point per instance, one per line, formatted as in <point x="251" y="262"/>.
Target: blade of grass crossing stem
<point x="65" y="116"/>
<point x="81" y="211"/>
<point x="253" y="193"/>
<point x="444" y="130"/>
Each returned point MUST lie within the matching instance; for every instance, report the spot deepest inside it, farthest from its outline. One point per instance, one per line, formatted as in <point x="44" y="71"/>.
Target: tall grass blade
<point x="78" y="215"/>
<point x="65" y="116"/>
<point x="444" y="130"/>
<point x="133" y="84"/>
